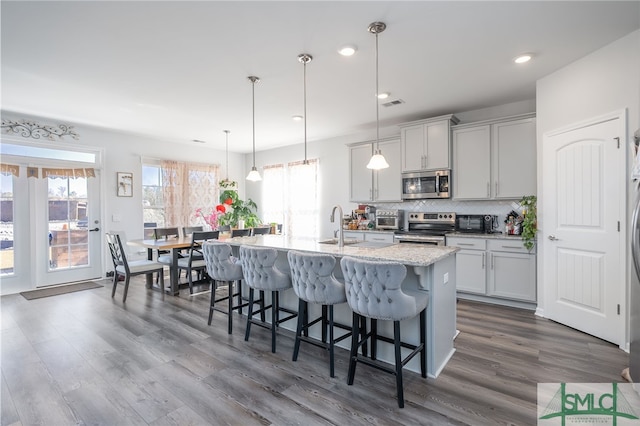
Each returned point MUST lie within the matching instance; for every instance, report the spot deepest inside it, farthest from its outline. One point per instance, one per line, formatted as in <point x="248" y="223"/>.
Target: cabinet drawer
<point x="382" y="238"/>
<point x="511" y="245"/>
<point x="354" y="235"/>
<point x="467" y="243"/>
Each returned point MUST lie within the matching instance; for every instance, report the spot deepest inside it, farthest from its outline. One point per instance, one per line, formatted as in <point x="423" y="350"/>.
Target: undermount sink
<point x="335" y="241"/>
<point x="357" y="243"/>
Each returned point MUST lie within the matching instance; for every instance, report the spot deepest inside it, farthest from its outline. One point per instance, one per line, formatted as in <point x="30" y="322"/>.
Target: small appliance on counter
<point x="391" y="219"/>
<point x="476" y="223"/>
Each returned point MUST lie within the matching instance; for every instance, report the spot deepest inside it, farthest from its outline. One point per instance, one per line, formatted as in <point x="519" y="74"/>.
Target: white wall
<point x="603" y="81"/>
<point x="123" y="153"/>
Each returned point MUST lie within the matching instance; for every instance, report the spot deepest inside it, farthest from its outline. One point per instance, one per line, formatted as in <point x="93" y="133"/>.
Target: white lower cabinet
<point x="497" y="268"/>
<point x="354" y="235"/>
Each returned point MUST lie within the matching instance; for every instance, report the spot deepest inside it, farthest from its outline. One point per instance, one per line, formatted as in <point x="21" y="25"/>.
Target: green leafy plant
<point x="235" y="208"/>
<point x="530" y="220"/>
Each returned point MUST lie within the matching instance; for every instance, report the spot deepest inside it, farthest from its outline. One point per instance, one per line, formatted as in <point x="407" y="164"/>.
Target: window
<point x="172" y="191"/>
<point x="152" y="201"/>
<point x="290" y="196"/>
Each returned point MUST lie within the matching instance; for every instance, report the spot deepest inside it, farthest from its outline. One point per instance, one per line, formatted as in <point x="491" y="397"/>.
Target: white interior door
<point x="583" y="209"/>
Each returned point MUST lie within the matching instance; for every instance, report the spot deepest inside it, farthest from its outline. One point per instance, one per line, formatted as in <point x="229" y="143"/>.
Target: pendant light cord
<point x="253" y="114"/>
<point x="304" y="94"/>
<point x="377" y="101"/>
<point x="227" y="152"/>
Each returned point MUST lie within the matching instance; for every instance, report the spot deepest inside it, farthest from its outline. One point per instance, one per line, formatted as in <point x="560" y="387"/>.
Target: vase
<point x="240" y="223"/>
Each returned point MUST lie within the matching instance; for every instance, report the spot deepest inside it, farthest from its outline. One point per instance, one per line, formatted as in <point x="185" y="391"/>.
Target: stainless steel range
<point x="426" y="228"/>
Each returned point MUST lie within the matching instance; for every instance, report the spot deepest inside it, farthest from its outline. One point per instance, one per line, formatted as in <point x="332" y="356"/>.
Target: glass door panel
<point x="6" y="225"/>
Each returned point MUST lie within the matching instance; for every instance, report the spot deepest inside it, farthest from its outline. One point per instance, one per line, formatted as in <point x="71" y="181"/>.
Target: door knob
<point x="94" y="230"/>
<point x="553" y="238"/>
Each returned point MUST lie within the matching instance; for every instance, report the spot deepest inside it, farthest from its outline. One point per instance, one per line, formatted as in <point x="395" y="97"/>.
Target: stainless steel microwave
<point x="429" y="184"/>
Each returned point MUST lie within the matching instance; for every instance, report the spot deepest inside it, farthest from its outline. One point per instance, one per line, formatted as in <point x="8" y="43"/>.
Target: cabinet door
<point x="388" y="182"/>
<point x="472" y="163"/>
<point x="437" y="155"/>
<point x="412" y="148"/>
<point x="361" y="178"/>
<point x="512" y="275"/>
<point x="471" y="274"/>
<point x="514" y="158"/>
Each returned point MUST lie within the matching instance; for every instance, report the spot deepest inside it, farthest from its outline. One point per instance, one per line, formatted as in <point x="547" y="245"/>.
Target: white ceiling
<point x="178" y="70"/>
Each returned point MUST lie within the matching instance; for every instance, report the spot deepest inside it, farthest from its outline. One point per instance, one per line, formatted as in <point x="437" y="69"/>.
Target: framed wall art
<point x="125" y="184"/>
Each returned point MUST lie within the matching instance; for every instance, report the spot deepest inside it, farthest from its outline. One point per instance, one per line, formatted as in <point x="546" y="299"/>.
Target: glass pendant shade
<point x="377" y="161"/>
<point x="254" y="176"/>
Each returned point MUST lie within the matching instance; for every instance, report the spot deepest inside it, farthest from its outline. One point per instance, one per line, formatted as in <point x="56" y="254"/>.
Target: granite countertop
<point x="495" y="236"/>
<point x="405" y="253"/>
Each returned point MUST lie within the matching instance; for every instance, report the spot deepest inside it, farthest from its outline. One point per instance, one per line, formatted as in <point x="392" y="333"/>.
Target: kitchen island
<point x="429" y="268"/>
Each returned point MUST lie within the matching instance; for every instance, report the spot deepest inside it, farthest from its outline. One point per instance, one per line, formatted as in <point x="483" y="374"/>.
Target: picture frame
<point x="124" y="184"/>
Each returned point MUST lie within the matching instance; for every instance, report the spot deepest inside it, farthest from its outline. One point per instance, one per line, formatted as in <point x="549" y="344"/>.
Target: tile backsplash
<point x="500" y="208"/>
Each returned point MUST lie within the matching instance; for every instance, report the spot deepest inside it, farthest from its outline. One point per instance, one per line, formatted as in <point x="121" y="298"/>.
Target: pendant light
<point x="377" y="161"/>
<point x="305" y="59"/>
<point x="253" y="175"/>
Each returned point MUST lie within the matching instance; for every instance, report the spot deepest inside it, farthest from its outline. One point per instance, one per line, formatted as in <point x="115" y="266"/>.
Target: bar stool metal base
<point x="240" y="301"/>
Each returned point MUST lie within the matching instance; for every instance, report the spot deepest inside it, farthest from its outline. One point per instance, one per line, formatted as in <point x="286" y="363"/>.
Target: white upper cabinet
<point x="426" y="144"/>
<point x="495" y="160"/>
<point x="375" y="185"/>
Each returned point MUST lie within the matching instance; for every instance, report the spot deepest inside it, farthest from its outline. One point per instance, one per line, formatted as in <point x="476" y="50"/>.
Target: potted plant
<point x="234" y="208"/>
<point x="529" y="220"/>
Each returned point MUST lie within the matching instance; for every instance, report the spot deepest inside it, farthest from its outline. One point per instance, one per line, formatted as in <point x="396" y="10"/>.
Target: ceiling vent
<point x="393" y="103"/>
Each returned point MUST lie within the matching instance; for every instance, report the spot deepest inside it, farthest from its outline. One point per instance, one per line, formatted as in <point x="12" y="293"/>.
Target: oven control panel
<point x="417" y="217"/>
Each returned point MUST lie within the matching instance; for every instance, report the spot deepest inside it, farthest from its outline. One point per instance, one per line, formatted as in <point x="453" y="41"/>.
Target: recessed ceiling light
<point x="383" y="95"/>
<point x="348" y="50"/>
<point x="523" y="58"/>
<point x="297" y="118"/>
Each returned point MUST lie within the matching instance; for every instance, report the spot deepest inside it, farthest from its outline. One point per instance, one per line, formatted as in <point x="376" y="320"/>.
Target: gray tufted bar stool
<point x="223" y="267"/>
<point x="373" y="291"/>
<point x="261" y="273"/>
<point x="313" y="281"/>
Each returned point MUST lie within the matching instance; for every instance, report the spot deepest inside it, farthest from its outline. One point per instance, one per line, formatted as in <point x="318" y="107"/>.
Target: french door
<point x="51" y="219"/>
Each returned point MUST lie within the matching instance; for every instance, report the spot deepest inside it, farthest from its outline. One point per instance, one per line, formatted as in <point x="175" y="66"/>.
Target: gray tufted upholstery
<point x="312" y="278"/>
<point x="260" y="272"/>
<point x="221" y="265"/>
<point x="373" y="290"/>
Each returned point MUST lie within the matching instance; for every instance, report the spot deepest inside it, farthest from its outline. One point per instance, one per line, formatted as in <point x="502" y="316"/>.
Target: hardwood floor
<point x="84" y="358"/>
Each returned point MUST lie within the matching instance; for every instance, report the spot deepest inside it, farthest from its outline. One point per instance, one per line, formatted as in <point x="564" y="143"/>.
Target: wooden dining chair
<point x="261" y="230"/>
<point x="122" y="267"/>
<point x="188" y="230"/>
<point x="241" y="232"/>
<point x="194" y="261"/>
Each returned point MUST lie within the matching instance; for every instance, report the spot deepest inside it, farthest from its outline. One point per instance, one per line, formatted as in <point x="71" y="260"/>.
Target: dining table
<point x="175" y="245"/>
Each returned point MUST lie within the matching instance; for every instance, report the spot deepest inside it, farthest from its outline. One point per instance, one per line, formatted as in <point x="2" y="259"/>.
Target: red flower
<point x="220" y="208"/>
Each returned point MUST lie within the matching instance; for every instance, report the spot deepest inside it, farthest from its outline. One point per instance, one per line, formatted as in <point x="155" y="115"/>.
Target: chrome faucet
<point x="340" y="230"/>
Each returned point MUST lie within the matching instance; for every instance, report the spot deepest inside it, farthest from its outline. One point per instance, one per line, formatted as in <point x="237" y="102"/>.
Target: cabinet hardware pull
<point x="483" y="260"/>
<point x="496" y="188"/>
<point x="465" y="244"/>
<point x="488" y="189"/>
<point x="371" y="194"/>
<point x="553" y="238"/>
<point x="512" y="247"/>
<point x="491" y="255"/>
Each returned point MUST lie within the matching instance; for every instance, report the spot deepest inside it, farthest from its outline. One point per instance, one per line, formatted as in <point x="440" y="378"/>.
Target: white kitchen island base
<point x="429" y="268"/>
